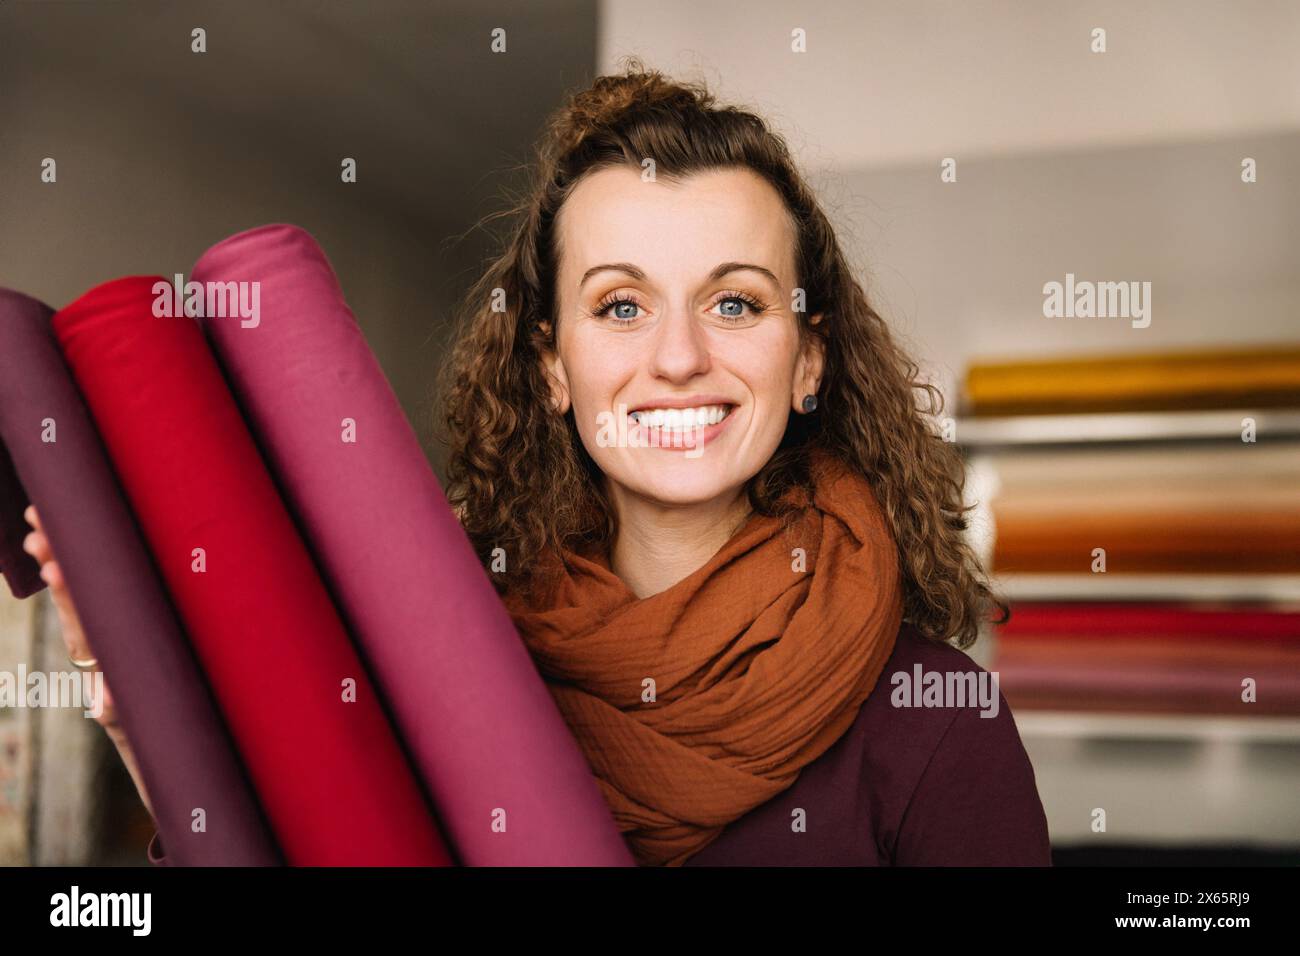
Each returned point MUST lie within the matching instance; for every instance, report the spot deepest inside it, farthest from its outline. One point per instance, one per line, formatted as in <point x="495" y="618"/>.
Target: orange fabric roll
<point x="1165" y="540"/>
<point x="1262" y="377"/>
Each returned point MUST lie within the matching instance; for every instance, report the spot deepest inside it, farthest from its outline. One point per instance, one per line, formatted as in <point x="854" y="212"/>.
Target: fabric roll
<point x="20" y="570"/>
<point x="1119" y="652"/>
<point x="1259" y="376"/>
<point x="1037" y="687"/>
<point x="1202" y="676"/>
<point x="1156" y="540"/>
<point x="507" y="777"/>
<point x="184" y="752"/>
<point x="304" y="715"/>
<point x="1156" y="622"/>
<point x="1239" y="468"/>
<point x="1227" y="500"/>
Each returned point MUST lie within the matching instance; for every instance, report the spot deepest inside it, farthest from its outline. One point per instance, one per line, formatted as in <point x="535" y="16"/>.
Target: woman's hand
<point x="38" y="546"/>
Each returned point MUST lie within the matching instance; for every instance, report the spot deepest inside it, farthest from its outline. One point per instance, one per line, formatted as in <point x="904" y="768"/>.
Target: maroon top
<point x="904" y="786"/>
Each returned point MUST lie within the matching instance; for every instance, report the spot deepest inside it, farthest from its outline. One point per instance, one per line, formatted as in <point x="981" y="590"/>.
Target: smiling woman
<point x="718" y="611"/>
<point x="673" y="328"/>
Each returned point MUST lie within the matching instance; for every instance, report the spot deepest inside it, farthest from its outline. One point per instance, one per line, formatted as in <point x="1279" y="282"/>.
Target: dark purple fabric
<point x="485" y="734"/>
<point x="185" y="757"/>
<point x="904" y="787"/>
<point x="20" y="570"/>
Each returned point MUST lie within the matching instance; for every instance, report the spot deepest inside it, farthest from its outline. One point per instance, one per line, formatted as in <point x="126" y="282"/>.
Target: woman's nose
<point x="680" y="348"/>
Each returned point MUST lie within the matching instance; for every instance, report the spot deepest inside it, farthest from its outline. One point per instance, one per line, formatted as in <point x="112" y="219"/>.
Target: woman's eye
<point x="619" y="311"/>
<point x="733" y="308"/>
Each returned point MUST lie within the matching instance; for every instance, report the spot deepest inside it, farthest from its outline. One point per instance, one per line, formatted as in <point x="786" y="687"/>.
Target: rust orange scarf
<point x="698" y="704"/>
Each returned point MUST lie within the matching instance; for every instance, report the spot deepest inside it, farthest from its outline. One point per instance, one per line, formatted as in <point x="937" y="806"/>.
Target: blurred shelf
<point x="1267" y="588"/>
<point x="1123" y="428"/>
<point x="1165" y="779"/>
<point x="1197" y="727"/>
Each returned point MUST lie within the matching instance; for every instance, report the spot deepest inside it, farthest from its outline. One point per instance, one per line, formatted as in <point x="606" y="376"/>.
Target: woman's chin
<point x="673" y="479"/>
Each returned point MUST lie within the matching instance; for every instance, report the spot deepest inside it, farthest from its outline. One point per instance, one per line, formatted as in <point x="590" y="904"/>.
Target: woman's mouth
<point x="681" y="427"/>
<point x="680" y="419"/>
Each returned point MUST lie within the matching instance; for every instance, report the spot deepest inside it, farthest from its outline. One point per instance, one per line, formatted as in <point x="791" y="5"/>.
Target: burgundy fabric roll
<point x="20" y="570"/>
<point x="184" y="753"/>
<point x="508" y="779"/>
<point x="1155" y="621"/>
<point x="322" y="757"/>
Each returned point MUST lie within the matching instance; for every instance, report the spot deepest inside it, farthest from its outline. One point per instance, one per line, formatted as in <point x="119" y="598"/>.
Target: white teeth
<point x="680" y="419"/>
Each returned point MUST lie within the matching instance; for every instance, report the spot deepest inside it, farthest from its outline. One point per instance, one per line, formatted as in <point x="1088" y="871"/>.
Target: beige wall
<point x="1116" y="166"/>
<point x="885" y="82"/>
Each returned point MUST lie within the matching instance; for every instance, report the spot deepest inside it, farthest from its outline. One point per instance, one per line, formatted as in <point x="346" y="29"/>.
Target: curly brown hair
<point x="517" y="472"/>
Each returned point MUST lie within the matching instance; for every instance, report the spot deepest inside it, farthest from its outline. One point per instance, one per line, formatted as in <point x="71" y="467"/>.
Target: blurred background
<point x="1136" y="487"/>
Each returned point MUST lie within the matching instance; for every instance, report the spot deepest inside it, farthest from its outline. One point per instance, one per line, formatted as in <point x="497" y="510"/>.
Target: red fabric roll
<point x="1154" y="621"/>
<point x="330" y="774"/>
<point x="1135" y="673"/>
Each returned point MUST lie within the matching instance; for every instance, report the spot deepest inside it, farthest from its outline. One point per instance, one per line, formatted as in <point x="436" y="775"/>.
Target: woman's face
<point x="677" y="342"/>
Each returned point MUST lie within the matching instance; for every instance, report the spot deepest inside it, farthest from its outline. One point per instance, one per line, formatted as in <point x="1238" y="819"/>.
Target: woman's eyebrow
<point x="626" y="267"/>
<point x="727" y="267"/>
<point x="722" y="270"/>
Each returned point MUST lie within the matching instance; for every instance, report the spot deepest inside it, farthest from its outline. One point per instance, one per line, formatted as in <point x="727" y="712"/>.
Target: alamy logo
<point x="83" y="689"/>
<point x="102" y="909"/>
<point x="217" y="300"/>
<point x="1101" y="300"/>
<point x="922" y="688"/>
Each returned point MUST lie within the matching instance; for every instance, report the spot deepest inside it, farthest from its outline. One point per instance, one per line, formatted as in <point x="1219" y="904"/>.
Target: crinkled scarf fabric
<point x="698" y="704"/>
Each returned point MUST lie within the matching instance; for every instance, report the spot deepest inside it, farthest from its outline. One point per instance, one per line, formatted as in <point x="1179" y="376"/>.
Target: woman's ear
<point x="558" y="379"/>
<point x="808" y="369"/>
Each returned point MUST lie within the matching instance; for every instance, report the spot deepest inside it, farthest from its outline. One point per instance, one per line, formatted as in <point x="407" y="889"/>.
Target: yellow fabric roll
<point x="1260" y="376"/>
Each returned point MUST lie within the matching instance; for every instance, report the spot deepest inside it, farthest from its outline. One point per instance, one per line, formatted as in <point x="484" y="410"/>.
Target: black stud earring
<point x="810" y="403"/>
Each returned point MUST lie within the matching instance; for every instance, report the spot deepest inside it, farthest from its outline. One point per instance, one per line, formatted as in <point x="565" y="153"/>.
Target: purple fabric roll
<point x="185" y="756"/>
<point x="20" y="570"/>
<point x="484" y="732"/>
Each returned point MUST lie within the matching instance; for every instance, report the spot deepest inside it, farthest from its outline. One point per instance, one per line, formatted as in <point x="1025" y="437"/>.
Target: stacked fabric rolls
<point x="1226" y="508"/>
<point x="1149" y="529"/>
<point x="1151" y="658"/>
<point x="305" y="653"/>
